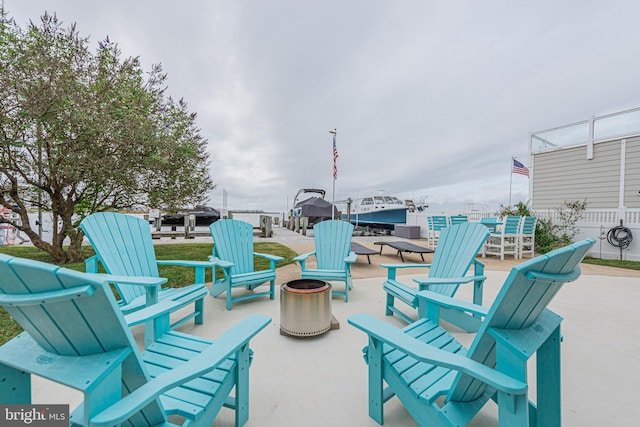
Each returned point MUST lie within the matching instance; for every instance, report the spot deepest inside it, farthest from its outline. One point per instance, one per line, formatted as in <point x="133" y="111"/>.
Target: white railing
<point x="594" y="223"/>
<point x="622" y="124"/>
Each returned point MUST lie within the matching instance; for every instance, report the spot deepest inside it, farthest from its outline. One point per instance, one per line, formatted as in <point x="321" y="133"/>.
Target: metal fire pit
<point x="305" y="308"/>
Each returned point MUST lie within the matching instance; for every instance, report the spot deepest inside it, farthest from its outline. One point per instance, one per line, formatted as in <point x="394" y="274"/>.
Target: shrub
<point x="552" y="234"/>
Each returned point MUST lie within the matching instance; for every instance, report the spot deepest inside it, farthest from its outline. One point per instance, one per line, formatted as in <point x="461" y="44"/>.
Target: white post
<point x="622" y="210"/>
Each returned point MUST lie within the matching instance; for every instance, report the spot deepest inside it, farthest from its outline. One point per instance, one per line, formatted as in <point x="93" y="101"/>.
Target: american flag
<point x="335" y="156"/>
<point x="519" y="168"/>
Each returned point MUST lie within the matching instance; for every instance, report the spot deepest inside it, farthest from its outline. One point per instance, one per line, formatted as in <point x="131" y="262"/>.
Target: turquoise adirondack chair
<point x="443" y="384"/>
<point x="456" y="251"/>
<point x="505" y="241"/>
<point x="75" y="335"/>
<point x="333" y="255"/>
<point x="124" y="246"/>
<point x="233" y="254"/>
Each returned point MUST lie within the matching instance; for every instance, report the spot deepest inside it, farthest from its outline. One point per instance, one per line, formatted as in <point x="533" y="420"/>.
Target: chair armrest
<point x="200" y="266"/>
<point x="269" y="256"/>
<point x="404" y="265"/>
<point x="391" y="268"/>
<point x="225" y="346"/>
<point x="24" y="354"/>
<point x="303" y="257"/>
<point x="151" y="312"/>
<point x="150" y="282"/>
<point x="184" y="263"/>
<point x="351" y="258"/>
<point x="273" y="259"/>
<point x="389" y="334"/>
<point x="439" y="300"/>
<point x="217" y="262"/>
<point x="427" y="281"/>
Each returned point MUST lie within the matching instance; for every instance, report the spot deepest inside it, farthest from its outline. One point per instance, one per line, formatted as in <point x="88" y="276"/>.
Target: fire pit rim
<point x="291" y="286"/>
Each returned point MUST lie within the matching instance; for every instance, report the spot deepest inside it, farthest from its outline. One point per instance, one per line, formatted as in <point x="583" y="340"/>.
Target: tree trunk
<point x="75" y="247"/>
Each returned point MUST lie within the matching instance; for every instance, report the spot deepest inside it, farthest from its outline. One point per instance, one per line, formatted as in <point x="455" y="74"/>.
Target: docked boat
<point x="205" y="216"/>
<point x="316" y="208"/>
<point x="379" y="210"/>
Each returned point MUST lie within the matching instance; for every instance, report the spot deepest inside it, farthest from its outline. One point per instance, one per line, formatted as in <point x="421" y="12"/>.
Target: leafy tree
<point x="83" y="132"/>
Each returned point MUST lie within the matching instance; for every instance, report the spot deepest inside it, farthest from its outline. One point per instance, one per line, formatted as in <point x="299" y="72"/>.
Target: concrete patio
<point x="322" y="381"/>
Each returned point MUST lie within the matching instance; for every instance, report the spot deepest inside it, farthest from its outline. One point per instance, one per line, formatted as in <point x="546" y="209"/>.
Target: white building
<point x="597" y="160"/>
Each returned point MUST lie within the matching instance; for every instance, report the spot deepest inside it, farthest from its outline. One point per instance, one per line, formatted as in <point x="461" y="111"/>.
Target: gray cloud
<point x="429" y="98"/>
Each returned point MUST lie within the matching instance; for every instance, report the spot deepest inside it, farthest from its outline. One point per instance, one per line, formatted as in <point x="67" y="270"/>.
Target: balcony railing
<point x="595" y="129"/>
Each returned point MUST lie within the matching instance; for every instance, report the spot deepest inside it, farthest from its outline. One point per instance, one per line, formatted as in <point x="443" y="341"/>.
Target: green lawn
<point x="630" y="265"/>
<point x="178" y="276"/>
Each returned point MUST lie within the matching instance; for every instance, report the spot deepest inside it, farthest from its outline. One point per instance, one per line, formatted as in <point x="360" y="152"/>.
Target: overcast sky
<point x="429" y="98"/>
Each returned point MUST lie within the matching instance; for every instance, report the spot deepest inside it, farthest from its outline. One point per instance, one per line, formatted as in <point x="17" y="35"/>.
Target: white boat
<point x="378" y="210"/>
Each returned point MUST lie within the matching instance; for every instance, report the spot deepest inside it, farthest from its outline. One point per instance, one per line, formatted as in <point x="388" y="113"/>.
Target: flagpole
<point x="333" y="193"/>
<point x="510" y="179"/>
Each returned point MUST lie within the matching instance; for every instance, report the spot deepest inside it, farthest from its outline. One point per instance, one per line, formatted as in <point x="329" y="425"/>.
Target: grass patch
<point x="629" y="265"/>
<point x="178" y="276"/>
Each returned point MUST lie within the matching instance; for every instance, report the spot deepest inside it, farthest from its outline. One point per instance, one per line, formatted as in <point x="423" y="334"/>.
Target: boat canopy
<point x="315" y="207"/>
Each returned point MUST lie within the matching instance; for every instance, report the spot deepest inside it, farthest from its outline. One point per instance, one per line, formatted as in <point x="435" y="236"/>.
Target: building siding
<point x="632" y="174"/>
<point x="566" y="174"/>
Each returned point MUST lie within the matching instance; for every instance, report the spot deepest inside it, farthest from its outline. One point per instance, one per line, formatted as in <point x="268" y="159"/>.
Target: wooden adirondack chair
<point x="435" y="223"/>
<point x="443" y="384"/>
<point x="75" y="335"/>
<point x="505" y="241"/>
<point x="333" y="255"/>
<point x="233" y="254"/>
<point x="456" y="251"/>
<point x="124" y="246"/>
<point x="527" y="236"/>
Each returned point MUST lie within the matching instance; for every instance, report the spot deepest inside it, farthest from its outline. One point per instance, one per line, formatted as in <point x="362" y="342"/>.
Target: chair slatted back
<point x="73" y="315"/>
<point x="458" y="219"/>
<point x="522" y="298"/>
<point x="439" y="222"/>
<point x="511" y="225"/>
<point x="233" y="242"/>
<point x="529" y="225"/>
<point x="457" y="248"/>
<point x="333" y="243"/>
<point x="124" y="246"/>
